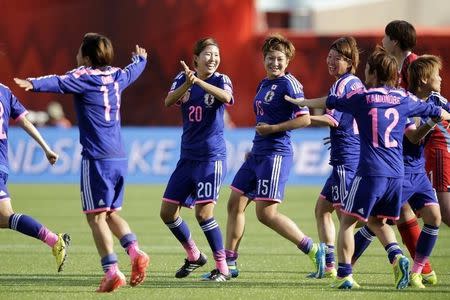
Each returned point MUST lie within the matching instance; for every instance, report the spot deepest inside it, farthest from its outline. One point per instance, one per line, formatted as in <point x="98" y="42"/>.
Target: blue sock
<point x="180" y="230"/>
<point x="329" y="256"/>
<point x="392" y="250"/>
<point x="344" y="270"/>
<point x="213" y="235"/>
<point x="305" y="244"/>
<point x="427" y="239"/>
<point x="108" y="261"/>
<point x="127" y="239"/>
<point x="363" y="238"/>
<point x="25" y="225"/>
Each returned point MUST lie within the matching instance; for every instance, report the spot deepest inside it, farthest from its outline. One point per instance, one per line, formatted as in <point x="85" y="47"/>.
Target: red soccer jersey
<point x="403" y="75"/>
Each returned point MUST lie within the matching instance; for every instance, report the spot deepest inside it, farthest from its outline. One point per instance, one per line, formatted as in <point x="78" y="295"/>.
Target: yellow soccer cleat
<point x="59" y="250"/>
<point x="416" y="281"/>
<point x="330" y="273"/>
<point x="401" y="271"/>
<point x="317" y="256"/>
<point x="429" y="278"/>
<point x="345" y="283"/>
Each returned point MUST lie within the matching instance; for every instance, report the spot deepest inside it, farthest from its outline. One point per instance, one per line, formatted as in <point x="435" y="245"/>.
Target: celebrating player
<point x="375" y="195"/>
<point x="342" y="61"/>
<point x="399" y="40"/>
<point x="202" y="95"/>
<point x="10" y="107"/>
<point x="265" y="171"/>
<point x="97" y="89"/>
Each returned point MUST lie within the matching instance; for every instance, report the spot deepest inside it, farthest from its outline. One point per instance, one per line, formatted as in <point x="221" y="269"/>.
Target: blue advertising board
<point x="153" y="153"/>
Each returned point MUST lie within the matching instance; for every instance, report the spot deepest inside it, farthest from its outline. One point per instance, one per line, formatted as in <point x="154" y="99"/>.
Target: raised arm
<point x="52" y="157"/>
<point x="218" y="93"/>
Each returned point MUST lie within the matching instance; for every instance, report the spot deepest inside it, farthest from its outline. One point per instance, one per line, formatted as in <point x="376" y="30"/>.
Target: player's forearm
<point x="33" y="132"/>
<point x="315" y="103"/>
<point x="322" y="120"/>
<point x="174" y="96"/>
<point x="218" y="93"/>
<point x="299" y="122"/>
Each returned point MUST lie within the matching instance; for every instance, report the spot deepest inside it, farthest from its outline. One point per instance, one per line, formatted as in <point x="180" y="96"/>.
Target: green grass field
<point x="271" y="267"/>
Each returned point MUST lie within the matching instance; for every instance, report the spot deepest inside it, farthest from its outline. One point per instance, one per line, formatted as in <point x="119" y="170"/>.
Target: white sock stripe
<point x="366" y="234"/>
<point x="175" y="223"/>
<point x="392" y="248"/>
<point x="15" y="220"/>
<point x="209" y="226"/>
<point x="430" y="231"/>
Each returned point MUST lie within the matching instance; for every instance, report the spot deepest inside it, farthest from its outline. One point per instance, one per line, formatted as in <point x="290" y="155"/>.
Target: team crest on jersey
<point x="269" y="96"/>
<point x="209" y="100"/>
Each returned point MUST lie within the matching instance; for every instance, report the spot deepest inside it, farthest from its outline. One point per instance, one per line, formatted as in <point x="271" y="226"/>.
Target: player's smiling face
<point x="207" y="61"/>
<point x="275" y="63"/>
<point x="337" y="64"/>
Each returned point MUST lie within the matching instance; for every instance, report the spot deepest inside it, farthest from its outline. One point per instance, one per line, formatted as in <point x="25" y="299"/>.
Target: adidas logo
<point x="361" y="211"/>
<point x="101" y="202"/>
<point x="2" y="193"/>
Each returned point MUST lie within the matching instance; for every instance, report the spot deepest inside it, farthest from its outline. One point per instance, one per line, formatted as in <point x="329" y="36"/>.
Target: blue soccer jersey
<point x="381" y="115"/>
<point x="10" y="107"/>
<point x="271" y="108"/>
<point x="203" y="123"/>
<point x="344" y="137"/>
<point x="97" y="97"/>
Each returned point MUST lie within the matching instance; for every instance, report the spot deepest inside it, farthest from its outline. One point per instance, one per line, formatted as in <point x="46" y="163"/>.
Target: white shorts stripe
<point x="351" y="196"/>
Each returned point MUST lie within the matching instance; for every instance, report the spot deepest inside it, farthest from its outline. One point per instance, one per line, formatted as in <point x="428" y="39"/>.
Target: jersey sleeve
<point x="438" y="100"/>
<point x="346" y="103"/>
<point x="17" y="109"/>
<point x="70" y="83"/>
<point x="294" y="89"/>
<point x="131" y="72"/>
<point x="421" y="109"/>
<point x="341" y="88"/>
<point x="227" y="86"/>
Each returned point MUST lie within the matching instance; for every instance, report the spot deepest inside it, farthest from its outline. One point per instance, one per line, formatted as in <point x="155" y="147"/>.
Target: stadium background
<point x="42" y="37"/>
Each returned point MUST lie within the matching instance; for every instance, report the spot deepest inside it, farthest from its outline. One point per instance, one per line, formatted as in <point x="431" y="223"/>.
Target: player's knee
<point x="264" y="216"/>
<point x="94" y="220"/>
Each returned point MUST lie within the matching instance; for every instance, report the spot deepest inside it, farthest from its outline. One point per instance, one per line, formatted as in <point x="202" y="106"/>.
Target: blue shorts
<point x="194" y="182"/>
<point x="418" y="191"/>
<point x="263" y="176"/>
<point x="102" y="184"/>
<point x="376" y="196"/>
<point x="4" y="194"/>
<point x="337" y="185"/>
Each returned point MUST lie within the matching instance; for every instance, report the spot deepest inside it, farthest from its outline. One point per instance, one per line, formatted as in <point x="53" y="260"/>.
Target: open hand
<point x="140" y="51"/>
<point x="23" y="83"/>
<point x="191" y="79"/>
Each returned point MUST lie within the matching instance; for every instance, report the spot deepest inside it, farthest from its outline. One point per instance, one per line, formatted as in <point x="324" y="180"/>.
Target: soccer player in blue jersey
<point x="375" y="194"/>
<point x="10" y="107"/>
<point x="264" y="173"/>
<point x="342" y="62"/>
<point x="97" y="89"/>
<point x="399" y="40"/>
<point x="202" y="96"/>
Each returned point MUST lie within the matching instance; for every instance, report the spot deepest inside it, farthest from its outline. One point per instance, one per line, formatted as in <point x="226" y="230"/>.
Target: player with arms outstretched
<point x="97" y="89"/>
